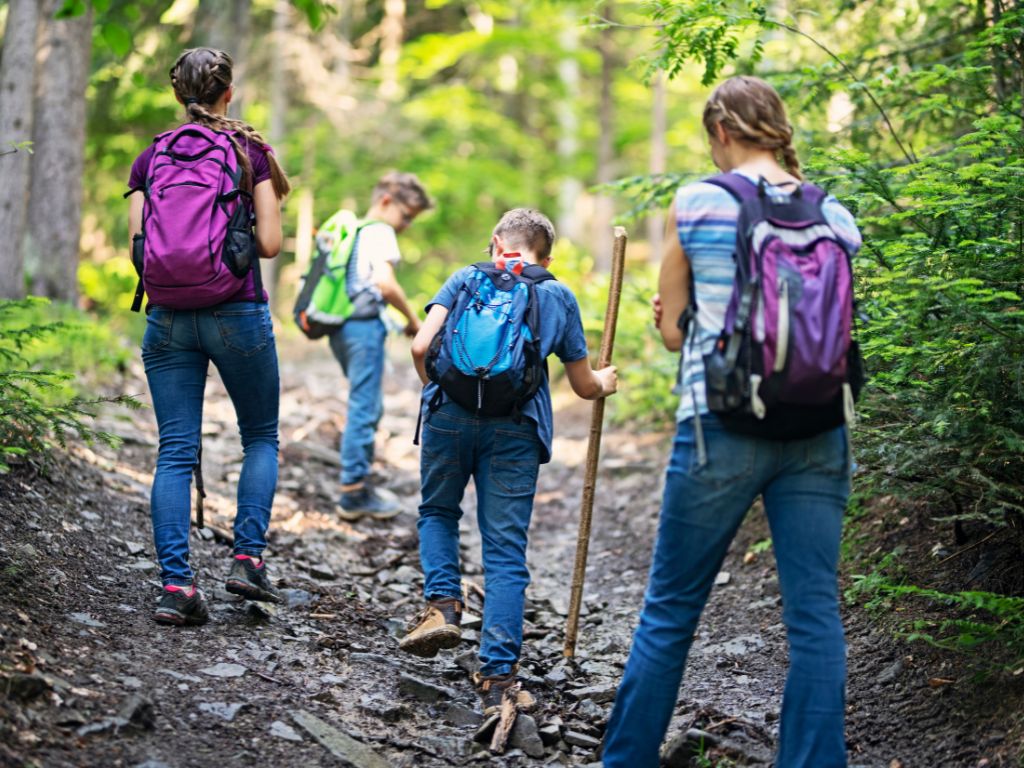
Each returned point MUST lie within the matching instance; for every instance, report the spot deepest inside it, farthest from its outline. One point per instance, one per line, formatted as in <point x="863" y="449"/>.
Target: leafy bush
<point x="38" y="405"/>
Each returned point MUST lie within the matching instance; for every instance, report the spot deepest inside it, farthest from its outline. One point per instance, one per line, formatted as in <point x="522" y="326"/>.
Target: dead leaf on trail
<point x="938" y="682"/>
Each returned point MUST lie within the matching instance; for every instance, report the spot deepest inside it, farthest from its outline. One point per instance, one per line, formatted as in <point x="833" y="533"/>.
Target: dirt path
<point x="91" y="681"/>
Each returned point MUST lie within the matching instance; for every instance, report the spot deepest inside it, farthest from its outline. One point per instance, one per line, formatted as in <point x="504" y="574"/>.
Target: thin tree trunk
<point x="604" y="209"/>
<point x="392" y="30"/>
<point x="17" y="81"/>
<point x="659" y="160"/>
<point x="55" y="197"/>
<point x="278" y="95"/>
<point x="568" y="130"/>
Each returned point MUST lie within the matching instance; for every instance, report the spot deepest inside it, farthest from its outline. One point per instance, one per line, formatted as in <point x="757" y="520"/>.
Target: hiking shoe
<point x="437" y="626"/>
<point x="367" y="502"/>
<point x="250" y="580"/>
<point x="492" y="691"/>
<point x="179" y="606"/>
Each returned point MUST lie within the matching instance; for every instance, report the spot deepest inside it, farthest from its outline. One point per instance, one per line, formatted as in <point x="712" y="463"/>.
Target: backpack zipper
<point x="782" y="340"/>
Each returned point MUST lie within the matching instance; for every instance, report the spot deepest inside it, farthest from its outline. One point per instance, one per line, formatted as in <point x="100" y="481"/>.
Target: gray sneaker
<point x="367" y="502"/>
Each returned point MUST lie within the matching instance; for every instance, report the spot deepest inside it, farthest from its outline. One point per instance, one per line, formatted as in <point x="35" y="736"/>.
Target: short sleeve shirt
<point x="260" y="172"/>
<point x="561" y="334"/>
<point x="706" y="217"/>
<point x="376" y="247"/>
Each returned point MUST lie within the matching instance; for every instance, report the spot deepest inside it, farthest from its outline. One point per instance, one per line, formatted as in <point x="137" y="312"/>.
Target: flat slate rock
<point x="352" y="753"/>
<point x="284" y="731"/>
<point x="224" y="669"/>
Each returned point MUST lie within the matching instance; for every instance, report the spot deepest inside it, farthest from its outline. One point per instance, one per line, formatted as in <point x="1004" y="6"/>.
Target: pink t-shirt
<point x="260" y="172"/>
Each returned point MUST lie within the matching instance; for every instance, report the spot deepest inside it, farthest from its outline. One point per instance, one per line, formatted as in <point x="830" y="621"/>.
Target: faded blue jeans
<point x="359" y="347"/>
<point x="805" y="485"/>
<point x="177" y="348"/>
<point x="503" y="458"/>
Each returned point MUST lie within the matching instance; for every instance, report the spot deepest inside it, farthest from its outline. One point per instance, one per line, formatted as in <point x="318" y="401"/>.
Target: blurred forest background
<point x="911" y="111"/>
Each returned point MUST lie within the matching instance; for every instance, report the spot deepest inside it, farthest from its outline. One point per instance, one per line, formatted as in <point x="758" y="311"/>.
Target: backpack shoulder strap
<point x="812" y="193"/>
<point x="537" y="274"/>
<point x="740" y="187"/>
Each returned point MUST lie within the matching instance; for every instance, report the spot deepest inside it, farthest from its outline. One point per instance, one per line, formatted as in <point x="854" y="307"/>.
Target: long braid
<point x="751" y="111"/>
<point x="200" y="77"/>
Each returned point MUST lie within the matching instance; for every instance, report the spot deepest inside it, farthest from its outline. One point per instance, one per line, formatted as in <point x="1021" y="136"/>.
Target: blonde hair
<point x="526" y="228"/>
<point x="750" y="110"/>
<point x="200" y="77"/>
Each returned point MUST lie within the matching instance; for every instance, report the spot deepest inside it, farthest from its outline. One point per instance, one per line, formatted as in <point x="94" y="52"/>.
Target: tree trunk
<point x="55" y="197"/>
<point x="224" y="25"/>
<point x="17" y="79"/>
<point x="568" y="130"/>
<point x="392" y="30"/>
<point x="604" y="208"/>
<point x="659" y="160"/>
<point x="278" y="96"/>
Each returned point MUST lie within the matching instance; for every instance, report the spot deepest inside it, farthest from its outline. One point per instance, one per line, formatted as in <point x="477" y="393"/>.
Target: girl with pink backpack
<point x="204" y="208"/>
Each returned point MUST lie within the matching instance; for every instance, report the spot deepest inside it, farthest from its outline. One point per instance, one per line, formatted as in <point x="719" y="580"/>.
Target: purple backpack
<point x="785" y="365"/>
<point x="197" y="247"/>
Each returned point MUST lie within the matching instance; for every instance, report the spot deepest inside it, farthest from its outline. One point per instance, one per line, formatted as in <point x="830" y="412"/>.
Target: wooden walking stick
<point x="594" y="446"/>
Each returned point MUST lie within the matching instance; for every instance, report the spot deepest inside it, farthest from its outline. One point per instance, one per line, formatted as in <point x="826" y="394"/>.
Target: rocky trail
<point x="87" y="679"/>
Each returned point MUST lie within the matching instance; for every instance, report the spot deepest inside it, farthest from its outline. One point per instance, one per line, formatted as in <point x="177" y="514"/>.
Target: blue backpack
<point x="487" y="355"/>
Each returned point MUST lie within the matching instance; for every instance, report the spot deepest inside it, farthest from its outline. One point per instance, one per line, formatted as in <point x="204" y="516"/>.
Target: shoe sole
<point x="250" y="592"/>
<point x="429" y="644"/>
<point x="176" y="619"/>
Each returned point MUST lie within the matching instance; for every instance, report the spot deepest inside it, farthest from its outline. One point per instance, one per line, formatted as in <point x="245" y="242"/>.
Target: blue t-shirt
<point x="561" y="333"/>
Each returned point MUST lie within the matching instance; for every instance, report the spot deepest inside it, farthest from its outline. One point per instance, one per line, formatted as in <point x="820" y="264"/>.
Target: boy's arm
<point x="392" y="293"/>
<point x="591" y="384"/>
<point x="430" y="328"/>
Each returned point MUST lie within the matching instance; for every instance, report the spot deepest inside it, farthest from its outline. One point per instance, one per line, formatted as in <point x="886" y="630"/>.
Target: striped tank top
<point x="706" y="217"/>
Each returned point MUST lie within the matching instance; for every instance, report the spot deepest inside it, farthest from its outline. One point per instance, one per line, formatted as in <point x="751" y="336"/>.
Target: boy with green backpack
<point x="344" y="297"/>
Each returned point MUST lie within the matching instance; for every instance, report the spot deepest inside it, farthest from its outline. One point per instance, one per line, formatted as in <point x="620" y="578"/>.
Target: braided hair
<point x="750" y="110"/>
<point x="200" y="77"/>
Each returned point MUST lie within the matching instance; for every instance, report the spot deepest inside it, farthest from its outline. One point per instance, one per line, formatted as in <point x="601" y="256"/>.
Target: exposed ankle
<point x="349" y="487"/>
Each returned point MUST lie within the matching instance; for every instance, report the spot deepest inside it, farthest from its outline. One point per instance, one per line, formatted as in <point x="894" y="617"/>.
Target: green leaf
<point x="118" y="38"/>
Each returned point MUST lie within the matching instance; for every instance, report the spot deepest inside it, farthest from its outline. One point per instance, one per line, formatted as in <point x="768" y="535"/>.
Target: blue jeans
<point x="805" y="484"/>
<point x="359" y="347"/>
<point x="176" y="349"/>
<point x="503" y="459"/>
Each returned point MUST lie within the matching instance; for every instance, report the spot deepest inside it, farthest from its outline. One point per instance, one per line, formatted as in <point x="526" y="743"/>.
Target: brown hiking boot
<point x="437" y="626"/>
<point x="492" y="691"/>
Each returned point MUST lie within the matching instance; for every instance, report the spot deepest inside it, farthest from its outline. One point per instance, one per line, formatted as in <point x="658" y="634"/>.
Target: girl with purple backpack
<point x="204" y="208"/>
<point x="717" y="467"/>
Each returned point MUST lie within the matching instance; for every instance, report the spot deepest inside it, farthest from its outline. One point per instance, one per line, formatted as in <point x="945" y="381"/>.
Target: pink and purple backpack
<point x="197" y="247"/>
<point x="785" y="365"/>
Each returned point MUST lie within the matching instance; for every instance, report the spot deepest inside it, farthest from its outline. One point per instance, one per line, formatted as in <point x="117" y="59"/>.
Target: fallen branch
<point x="506" y="719"/>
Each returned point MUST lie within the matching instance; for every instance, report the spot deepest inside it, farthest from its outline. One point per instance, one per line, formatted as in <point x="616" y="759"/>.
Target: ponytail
<point x="200" y="77"/>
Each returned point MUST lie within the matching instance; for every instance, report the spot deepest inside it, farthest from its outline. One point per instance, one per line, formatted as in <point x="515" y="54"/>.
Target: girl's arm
<point x="673" y="286"/>
<point x="135" y="201"/>
<point x="268" y="219"/>
<point x="421" y="344"/>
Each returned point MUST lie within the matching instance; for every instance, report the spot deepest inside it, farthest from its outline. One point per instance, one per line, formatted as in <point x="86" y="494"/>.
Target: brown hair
<point x="750" y="110"/>
<point x="406" y="188"/>
<point x="526" y="228"/>
<point x="200" y="76"/>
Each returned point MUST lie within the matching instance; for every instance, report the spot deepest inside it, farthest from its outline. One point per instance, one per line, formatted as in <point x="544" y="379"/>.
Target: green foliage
<point x="961" y="622"/>
<point x="38" y="405"/>
<point x="645" y="369"/>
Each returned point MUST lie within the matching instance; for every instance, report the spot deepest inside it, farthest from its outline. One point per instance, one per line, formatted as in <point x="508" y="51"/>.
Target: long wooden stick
<point x="594" y="446"/>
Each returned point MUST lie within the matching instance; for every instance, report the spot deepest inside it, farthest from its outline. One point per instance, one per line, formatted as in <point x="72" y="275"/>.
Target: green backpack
<point x="323" y="303"/>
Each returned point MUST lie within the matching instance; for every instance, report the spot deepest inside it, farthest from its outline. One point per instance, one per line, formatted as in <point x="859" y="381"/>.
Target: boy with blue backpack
<point x="486" y="414"/>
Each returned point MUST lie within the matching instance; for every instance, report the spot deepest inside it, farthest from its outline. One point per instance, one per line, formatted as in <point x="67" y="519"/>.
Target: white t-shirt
<point x="376" y="247"/>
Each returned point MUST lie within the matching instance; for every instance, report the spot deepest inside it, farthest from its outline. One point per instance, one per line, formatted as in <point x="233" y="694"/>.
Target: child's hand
<point x="657" y="309"/>
<point x="609" y="380"/>
<point x="411" y="328"/>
